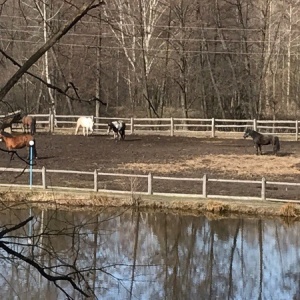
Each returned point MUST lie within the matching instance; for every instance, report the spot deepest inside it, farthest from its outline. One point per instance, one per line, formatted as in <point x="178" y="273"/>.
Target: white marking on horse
<point x="87" y="125"/>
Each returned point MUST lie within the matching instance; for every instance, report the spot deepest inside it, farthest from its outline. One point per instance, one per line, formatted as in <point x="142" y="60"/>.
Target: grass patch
<point x="216" y="207"/>
<point x="289" y="210"/>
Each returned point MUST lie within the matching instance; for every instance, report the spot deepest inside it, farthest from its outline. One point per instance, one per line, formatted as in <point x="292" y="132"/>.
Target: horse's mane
<point x="249" y="130"/>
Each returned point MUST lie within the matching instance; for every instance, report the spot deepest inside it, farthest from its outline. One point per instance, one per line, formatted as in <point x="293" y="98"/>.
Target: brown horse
<point x="29" y="124"/>
<point x="19" y="142"/>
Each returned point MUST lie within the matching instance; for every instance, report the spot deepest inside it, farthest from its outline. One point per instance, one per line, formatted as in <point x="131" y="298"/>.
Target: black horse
<point x="262" y="139"/>
<point x="118" y="128"/>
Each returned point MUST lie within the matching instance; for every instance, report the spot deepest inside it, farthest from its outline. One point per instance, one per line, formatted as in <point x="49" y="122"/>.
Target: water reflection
<point x="150" y="255"/>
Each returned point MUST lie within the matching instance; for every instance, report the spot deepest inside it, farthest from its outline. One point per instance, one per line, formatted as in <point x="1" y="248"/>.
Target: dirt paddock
<point x="163" y="156"/>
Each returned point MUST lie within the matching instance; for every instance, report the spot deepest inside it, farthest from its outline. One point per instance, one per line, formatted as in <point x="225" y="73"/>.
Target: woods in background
<point x="192" y="58"/>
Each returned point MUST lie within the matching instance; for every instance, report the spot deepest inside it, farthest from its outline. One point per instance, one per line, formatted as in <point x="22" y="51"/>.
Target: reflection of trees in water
<point x="48" y="247"/>
<point x="226" y="258"/>
<point x="149" y="255"/>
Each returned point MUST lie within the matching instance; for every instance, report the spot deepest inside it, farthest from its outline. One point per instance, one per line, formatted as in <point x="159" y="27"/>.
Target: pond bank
<point x="85" y="200"/>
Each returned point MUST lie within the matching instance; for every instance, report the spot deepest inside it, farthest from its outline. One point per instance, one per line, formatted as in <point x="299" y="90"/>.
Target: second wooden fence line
<point x="150" y="178"/>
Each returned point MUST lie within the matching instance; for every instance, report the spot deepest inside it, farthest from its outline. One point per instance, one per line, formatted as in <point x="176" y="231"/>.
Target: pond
<point x="126" y="254"/>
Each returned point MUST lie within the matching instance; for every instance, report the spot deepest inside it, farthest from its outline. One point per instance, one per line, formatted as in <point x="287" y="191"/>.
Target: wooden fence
<point x="94" y="183"/>
<point x="173" y="126"/>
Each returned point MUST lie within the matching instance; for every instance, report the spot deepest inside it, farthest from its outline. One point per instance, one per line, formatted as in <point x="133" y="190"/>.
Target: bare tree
<point x="133" y="25"/>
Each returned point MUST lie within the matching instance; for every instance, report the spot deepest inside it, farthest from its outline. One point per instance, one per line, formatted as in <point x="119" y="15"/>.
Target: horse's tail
<point x="33" y="126"/>
<point x="276" y="144"/>
<point x="122" y="131"/>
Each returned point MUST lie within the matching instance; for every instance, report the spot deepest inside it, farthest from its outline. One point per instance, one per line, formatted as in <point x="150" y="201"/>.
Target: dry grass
<point x="242" y="165"/>
<point x="289" y="210"/>
<point x="216" y="207"/>
<point x="87" y="201"/>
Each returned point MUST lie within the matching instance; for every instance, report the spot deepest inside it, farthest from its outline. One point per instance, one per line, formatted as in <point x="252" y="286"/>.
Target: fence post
<point x="131" y="125"/>
<point x="255" y="124"/>
<point x="44" y="178"/>
<point x="204" y="186"/>
<point x="150" y="177"/>
<point x="51" y="121"/>
<point x="213" y="127"/>
<point x="172" y="127"/>
<point x="297" y="130"/>
<point x="263" y="188"/>
<point x="95" y="181"/>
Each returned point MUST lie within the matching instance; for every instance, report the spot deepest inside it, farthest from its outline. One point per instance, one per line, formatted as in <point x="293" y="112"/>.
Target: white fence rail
<point x="173" y="126"/>
<point x="94" y="183"/>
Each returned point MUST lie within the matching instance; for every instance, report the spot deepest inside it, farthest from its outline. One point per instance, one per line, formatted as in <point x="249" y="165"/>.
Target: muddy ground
<point x="193" y="157"/>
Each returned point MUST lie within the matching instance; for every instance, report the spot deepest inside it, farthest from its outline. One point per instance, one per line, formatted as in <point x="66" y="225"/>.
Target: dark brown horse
<point x="19" y="142"/>
<point x="29" y="124"/>
<point x="263" y="139"/>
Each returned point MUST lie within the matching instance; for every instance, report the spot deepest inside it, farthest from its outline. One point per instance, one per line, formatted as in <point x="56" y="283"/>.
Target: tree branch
<point x="41" y="270"/>
<point x="41" y="51"/>
<point x="7" y="230"/>
<point x="51" y="86"/>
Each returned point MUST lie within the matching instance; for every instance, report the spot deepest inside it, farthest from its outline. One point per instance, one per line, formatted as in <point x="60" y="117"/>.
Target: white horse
<point x="118" y="127"/>
<point x="87" y="125"/>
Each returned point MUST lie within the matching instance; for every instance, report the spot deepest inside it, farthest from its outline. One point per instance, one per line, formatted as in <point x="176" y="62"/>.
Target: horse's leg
<point x="76" y="130"/>
<point x="260" y="152"/>
<point x="12" y="155"/>
<point x="274" y="149"/>
<point x="12" y="152"/>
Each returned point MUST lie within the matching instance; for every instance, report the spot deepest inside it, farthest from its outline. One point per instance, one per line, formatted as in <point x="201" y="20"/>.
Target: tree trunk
<point x="99" y="67"/>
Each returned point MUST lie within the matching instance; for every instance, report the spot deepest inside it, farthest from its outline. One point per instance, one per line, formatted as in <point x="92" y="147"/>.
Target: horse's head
<point x="247" y="132"/>
<point x="4" y="135"/>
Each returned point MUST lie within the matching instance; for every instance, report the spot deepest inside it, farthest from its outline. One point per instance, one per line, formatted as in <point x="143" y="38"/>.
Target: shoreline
<point x="180" y="205"/>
